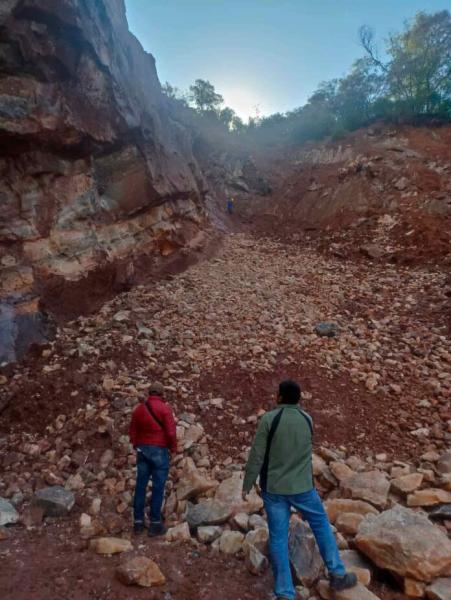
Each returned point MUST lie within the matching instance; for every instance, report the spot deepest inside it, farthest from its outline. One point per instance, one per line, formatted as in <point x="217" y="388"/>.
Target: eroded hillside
<point x="383" y="191"/>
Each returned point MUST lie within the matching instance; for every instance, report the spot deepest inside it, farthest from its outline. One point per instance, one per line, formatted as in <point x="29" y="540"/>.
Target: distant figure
<point x="282" y="456"/>
<point x="231" y="206"/>
<point x="153" y="435"/>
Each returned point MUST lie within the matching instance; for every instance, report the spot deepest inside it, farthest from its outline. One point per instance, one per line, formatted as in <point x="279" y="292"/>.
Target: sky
<point x="263" y="56"/>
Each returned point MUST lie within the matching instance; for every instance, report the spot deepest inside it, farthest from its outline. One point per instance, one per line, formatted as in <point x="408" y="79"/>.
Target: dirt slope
<point x="386" y="186"/>
<point x="228" y="328"/>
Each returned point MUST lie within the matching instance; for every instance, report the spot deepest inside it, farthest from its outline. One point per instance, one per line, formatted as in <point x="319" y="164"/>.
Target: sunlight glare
<point x="243" y="101"/>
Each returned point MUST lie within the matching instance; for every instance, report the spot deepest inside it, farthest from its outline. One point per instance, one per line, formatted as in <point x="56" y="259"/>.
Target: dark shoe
<point x="157" y="529"/>
<point x="138" y="528"/>
<point x="343" y="582"/>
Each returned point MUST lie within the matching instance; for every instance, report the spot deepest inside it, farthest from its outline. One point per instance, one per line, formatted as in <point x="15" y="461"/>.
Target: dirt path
<point x="228" y="328"/>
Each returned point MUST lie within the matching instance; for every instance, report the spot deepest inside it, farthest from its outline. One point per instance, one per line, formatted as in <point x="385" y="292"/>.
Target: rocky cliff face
<point x="96" y="178"/>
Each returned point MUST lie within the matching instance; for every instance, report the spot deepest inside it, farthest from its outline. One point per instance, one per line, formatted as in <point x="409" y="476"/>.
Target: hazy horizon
<point x="262" y="53"/>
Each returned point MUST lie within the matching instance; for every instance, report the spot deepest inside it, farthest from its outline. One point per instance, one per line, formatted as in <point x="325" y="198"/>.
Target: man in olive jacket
<point x="281" y="456"/>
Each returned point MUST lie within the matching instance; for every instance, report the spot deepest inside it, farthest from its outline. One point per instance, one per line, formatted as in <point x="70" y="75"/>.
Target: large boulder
<point x="207" y="512"/>
<point x="8" y="514"/>
<point x="406" y="543"/>
<point x="55" y="500"/>
<point x="230" y="492"/>
<point x="371" y="486"/>
<point x="193" y="484"/>
<point x="305" y="559"/>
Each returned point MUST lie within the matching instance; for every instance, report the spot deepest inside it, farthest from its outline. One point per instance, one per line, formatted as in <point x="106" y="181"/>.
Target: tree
<point x="204" y="96"/>
<point x="226" y="116"/>
<point x="357" y="93"/>
<point x="238" y="125"/>
<point x="418" y="72"/>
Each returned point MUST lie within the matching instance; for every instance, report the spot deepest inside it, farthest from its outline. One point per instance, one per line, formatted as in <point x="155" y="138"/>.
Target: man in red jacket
<point x="153" y="435"/>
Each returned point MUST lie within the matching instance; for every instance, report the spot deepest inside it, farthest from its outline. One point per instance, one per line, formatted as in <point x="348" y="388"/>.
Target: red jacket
<point x="144" y="430"/>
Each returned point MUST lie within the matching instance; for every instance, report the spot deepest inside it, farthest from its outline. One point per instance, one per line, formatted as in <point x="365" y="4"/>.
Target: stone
<point x="257" y="521"/>
<point x="241" y="520"/>
<point x="356" y="563"/>
<point x="407" y="483"/>
<point x="95" y="529"/>
<point x="4" y="534"/>
<point x="372" y="251"/>
<point x="179" y="533"/>
<point x="55" y="500"/>
<point x="338" y="506"/>
<point x="401" y="183"/>
<point x="371" y="486"/>
<point x="207" y="512"/>
<point x="429" y="497"/>
<point x="444" y="463"/>
<point x="192" y="435"/>
<point x="302" y="593"/>
<point x="359" y="592"/>
<point x="326" y="329"/>
<point x="319" y="465"/>
<point x="192" y="485"/>
<point x="94" y="508"/>
<point x="256" y="563"/>
<point x="231" y="542"/>
<point x="406" y="543"/>
<point x="85" y="520"/>
<point x="259" y="539"/>
<point x="305" y="559"/>
<point x="8" y="514"/>
<point x="348" y="523"/>
<point x="106" y="458"/>
<point x="229" y="492"/>
<point x="208" y="534"/>
<point x="340" y="470"/>
<point x="414" y="588"/>
<point x="141" y="571"/>
<point x="110" y="545"/>
<point x="440" y="589"/>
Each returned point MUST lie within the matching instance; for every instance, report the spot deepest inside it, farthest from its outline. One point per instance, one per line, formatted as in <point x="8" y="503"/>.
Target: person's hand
<point x="245" y="495"/>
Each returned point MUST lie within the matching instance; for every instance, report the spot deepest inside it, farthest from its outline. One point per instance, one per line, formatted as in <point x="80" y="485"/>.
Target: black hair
<point x="290" y="391"/>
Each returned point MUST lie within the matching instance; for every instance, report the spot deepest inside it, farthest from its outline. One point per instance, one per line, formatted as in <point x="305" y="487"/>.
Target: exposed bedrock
<point x="98" y="183"/>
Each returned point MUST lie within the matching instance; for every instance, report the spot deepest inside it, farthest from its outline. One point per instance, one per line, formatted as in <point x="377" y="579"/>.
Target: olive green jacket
<point x="290" y="458"/>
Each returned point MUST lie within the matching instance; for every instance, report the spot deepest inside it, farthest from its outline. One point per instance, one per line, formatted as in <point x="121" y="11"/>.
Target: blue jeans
<point x="152" y="462"/>
<point x="278" y="510"/>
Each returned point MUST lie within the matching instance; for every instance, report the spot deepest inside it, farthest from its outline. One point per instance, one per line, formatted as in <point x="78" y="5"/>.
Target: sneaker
<point x="138" y="528"/>
<point x="343" y="582"/>
<point x="157" y="529"/>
